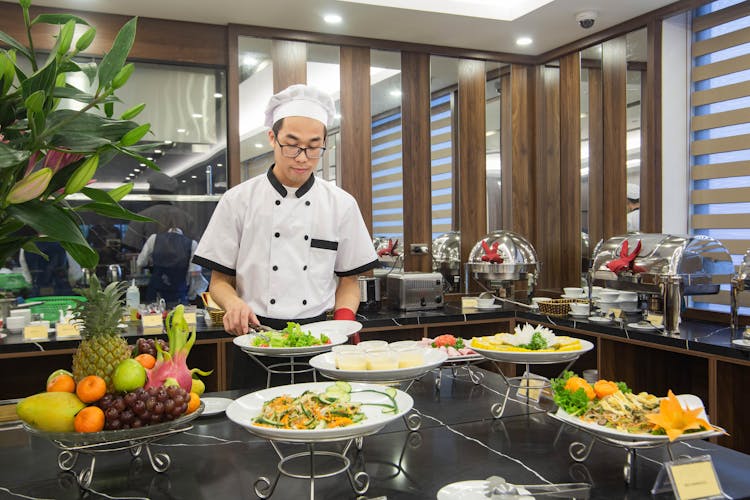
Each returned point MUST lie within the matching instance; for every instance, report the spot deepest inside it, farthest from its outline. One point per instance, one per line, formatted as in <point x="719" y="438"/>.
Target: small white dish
<point x="644" y="326"/>
<point x="599" y="319"/>
<point x="573" y="291"/>
<point x="579" y="316"/>
<point x="491" y="306"/>
<point x="609" y="295"/>
<point x="574" y="297"/>
<point x="741" y="342"/>
<point x="214" y="406"/>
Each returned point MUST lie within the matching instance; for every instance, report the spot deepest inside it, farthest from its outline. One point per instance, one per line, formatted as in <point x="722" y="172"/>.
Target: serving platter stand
<point x="72" y="445"/>
<point x="579" y="451"/>
<point x="463" y="366"/>
<point x="293" y="367"/>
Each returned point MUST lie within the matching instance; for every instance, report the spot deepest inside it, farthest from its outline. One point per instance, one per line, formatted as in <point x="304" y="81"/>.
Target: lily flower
<point x="56" y="160"/>
<point x="30" y="187"/>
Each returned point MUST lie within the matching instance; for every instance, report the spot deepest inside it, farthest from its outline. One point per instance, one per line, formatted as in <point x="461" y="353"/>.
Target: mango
<point x="50" y="411"/>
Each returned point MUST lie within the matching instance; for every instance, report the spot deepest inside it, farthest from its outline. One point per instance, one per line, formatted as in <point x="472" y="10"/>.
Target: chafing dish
<point x="516" y="274"/>
<point x="740" y="282"/>
<point x="670" y="266"/>
<point x="446" y="258"/>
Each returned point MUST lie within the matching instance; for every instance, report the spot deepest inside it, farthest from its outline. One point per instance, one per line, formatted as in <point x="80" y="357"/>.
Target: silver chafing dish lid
<point x="446" y="251"/>
<point x="699" y="262"/>
<point x="519" y="257"/>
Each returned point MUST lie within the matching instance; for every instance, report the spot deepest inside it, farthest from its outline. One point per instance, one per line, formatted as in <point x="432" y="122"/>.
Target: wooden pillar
<point x="596" y="158"/>
<point x="471" y="154"/>
<point x="570" y="169"/>
<point x="415" y="129"/>
<point x="651" y="123"/>
<point x="614" y="74"/>
<point x="355" y="148"/>
<point x="234" y="169"/>
<point x="289" y="64"/>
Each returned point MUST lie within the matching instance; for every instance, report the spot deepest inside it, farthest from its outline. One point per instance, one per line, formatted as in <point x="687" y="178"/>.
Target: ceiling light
<point x="219" y="164"/>
<point x="183" y="180"/>
<point x="142" y="164"/>
<point x="332" y="18"/>
<point x="249" y="61"/>
<point x="131" y="175"/>
<point x="136" y="170"/>
<point x="258" y="145"/>
<point x="149" y="158"/>
<point x="157" y="151"/>
<point x="218" y="95"/>
<point x="193" y="176"/>
<point x="484" y="9"/>
<point x="167" y="142"/>
<point x="181" y="130"/>
<point x="197" y="115"/>
<point x="523" y="41"/>
<point x="395" y="93"/>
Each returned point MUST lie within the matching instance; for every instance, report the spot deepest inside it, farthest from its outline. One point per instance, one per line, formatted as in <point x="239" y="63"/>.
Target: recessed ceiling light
<point x="181" y="130"/>
<point x="332" y="18"/>
<point x="167" y="142"/>
<point x="183" y="180"/>
<point x="157" y="151"/>
<point x="258" y="145"/>
<point x="219" y="164"/>
<point x="193" y="176"/>
<point x="142" y="164"/>
<point x="218" y="95"/>
<point x="197" y="115"/>
<point x="131" y="175"/>
<point x="136" y="170"/>
<point x="149" y="158"/>
<point x="524" y="40"/>
<point x="395" y="93"/>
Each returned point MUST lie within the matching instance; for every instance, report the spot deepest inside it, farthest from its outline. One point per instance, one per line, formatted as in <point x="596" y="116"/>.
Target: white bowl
<point x="485" y="302"/>
<point x="537" y="300"/>
<point x="596" y="291"/>
<point x="15" y="323"/>
<point x="629" y="306"/>
<point x="579" y="309"/>
<point x="628" y="297"/>
<point x="573" y="291"/>
<point x="609" y="295"/>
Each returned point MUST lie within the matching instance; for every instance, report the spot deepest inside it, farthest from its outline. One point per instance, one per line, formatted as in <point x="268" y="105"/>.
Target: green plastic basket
<point x="13" y="282"/>
<point x="53" y="304"/>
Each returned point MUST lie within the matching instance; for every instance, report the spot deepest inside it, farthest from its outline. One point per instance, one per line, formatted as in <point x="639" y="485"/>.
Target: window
<point x="720" y="100"/>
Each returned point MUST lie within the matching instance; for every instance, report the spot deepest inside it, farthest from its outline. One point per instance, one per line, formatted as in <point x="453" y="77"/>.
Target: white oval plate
<point x="687" y="400"/>
<point x="534" y="357"/>
<point x="643" y="326"/>
<point x="599" y="319"/>
<point x="470" y="490"/>
<point x="335" y="326"/>
<point x="214" y="406"/>
<point x="242" y="411"/>
<point x="246" y="343"/>
<point x="326" y="364"/>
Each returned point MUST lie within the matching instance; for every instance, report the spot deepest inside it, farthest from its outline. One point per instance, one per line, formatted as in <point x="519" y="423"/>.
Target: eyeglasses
<point x="294" y="151"/>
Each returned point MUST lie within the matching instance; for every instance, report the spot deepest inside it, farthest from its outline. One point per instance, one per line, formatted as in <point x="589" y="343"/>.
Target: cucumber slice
<point x="391" y="392"/>
<point x="345" y="386"/>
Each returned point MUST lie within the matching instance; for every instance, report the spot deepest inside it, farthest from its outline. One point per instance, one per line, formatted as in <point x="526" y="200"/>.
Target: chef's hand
<point x="237" y="318"/>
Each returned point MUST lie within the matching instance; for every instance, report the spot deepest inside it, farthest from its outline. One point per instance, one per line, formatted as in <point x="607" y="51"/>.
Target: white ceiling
<point x="550" y="26"/>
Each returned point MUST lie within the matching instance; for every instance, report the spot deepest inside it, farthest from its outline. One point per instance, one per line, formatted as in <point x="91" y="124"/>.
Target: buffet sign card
<point x="531" y="386"/>
<point x="35" y="332"/>
<point x="655" y="319"/>
<point x="66" y="330"/>
<point x="151" y="320"/>
<point x="694" y="478"/>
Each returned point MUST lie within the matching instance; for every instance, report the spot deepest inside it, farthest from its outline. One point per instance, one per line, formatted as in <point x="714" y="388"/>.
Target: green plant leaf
<point x="135" y="135"/>
<point x="70" y="92"/>
<point x="89" y="69"/>
<point x="35" y="102"/>
<point x="58" y="19"/>
<point x="83" y="254"/>
<point x="79" y="142"/>
<point x="115" y="58"/>
<point x="10" y="157"/>
<point x="114" y="211"/>
<point x="48" y="220"/>
<point x="9" y="40"/>
<point x="43" y="79"/>
<point x="89" y="124"/>
<point x="142" y="159"/>
<point x="109" y="109"/>
<point x="133" y="112"/>
<point x="97" y="195"/>
<point x="120" y="192"/>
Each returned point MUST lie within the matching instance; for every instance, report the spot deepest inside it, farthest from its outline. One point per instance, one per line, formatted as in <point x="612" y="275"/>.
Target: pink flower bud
<point x="30" y="187"/>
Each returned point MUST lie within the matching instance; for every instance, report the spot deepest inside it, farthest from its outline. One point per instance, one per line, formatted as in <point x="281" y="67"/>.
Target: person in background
<point x="634" y="207"/>
<point x="169" y="253"/>
<point x="55" y="275"/>
<point x="286" y="246"/>
<point x="161" y="212"/>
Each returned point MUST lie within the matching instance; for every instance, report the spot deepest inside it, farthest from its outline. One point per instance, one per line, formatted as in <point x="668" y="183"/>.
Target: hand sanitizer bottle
<point x="133" y="300"/>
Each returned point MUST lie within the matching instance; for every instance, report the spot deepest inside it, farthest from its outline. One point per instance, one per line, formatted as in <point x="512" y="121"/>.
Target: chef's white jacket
<point x="285" y="247"/>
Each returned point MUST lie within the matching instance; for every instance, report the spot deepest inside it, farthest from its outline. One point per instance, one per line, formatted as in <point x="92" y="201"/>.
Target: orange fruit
<point x="195" y="402"/>
<point x="90" y="419"/>
<point x="146" y="360"/>
<point x="62" y="383"/>
<point x="91" y="388"/>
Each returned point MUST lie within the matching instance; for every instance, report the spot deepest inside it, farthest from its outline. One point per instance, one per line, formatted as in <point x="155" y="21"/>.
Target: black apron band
<point x="280" y="324"/>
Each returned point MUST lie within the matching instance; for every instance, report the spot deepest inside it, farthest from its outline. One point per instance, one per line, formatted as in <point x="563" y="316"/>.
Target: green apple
<point x="56" y="374"/>
<point x="198" y="387"/>
<point x="129" y="375"/>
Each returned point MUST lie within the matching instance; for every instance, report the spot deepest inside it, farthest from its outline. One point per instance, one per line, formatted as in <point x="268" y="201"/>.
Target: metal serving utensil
<point x="498" y="489"/>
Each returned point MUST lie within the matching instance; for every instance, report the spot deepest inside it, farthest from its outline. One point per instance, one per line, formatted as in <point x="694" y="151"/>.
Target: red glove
<point x="490" y="254"/>
<point x="344" y="313"/>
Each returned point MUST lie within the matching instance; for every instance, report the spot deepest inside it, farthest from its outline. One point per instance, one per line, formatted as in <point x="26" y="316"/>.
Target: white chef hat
<point x="300" y="100"/>
<point x="634" y="191"/>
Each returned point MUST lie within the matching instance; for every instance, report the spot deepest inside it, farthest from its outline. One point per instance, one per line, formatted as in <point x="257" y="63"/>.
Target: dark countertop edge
<point x="700" y="337"/>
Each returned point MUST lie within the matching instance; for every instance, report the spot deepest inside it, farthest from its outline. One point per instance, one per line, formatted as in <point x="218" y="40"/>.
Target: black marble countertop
<point x="458" y="440"/>
<point x="703" y="337"/>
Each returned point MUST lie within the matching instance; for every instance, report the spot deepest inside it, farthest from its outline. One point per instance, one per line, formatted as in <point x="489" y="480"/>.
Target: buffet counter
<point x="458" y="441"/>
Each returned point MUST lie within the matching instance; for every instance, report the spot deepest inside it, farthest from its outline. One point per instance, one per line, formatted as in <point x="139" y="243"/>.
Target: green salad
<point x="291" y="336"/>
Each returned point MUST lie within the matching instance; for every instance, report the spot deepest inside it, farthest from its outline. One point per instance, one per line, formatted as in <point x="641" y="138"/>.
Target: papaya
<point x="50" y="411"/>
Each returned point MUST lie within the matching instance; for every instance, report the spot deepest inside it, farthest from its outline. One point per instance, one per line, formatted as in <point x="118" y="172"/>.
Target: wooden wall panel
<point x="472" y="154"/>
<point x="547" y="237"/>
<point x="517" y="175"/>
<point x="356" y="124"/>
<point x="289" y="64"/>
<point x="234" y="167"/>
<point x="156" y="39"/>
<point x="415" y="126"/>
<point x="596" y="158"/>
<point x="614" y="69"/>
<point x="651" y="136"/>
<point x="570" y="169"/>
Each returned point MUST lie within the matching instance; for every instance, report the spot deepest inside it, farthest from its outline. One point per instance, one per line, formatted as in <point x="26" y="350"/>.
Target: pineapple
<point x="102" y="348"/>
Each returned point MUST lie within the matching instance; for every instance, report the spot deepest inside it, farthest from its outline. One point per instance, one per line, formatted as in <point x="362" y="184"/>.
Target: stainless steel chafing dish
<point x="516" y="275"/>
<point x="670" y="266"/>
<point x="446" y="258"/>
<point x="740" y="282"/>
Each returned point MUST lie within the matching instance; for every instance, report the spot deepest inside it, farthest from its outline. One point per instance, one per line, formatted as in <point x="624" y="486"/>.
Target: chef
<point x="287" y="246"/>
<point x="634" y="207"/>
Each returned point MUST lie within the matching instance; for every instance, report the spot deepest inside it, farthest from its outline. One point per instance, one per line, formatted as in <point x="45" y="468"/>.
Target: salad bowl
<point x="248" y="344"/>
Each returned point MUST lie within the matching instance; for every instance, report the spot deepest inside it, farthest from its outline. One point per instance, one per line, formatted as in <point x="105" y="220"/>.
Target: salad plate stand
<point x="461" y="367"/>
<point x="72" y="445"/>
<point x="579" y="451"/>
<point x="291" y="368"/>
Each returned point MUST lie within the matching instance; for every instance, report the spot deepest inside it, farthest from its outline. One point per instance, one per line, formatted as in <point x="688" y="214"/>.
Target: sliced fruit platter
<point x="530" y="344"/>
<point x="319" y="411"/>
<point x="294" y="339"/>
<point x="115" y="392"/>
<point x="456" y="348"/>
<point x="611" y="409"/>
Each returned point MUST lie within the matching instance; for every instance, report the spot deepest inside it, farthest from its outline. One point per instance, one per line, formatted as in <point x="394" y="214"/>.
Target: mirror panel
<point x="493" y="107"/>
<point x="323" y="72"/>
<point x="636" y="43"/>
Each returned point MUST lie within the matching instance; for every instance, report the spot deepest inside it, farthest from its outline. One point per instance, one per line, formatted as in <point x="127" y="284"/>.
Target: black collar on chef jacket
<point x="279" y="187"/>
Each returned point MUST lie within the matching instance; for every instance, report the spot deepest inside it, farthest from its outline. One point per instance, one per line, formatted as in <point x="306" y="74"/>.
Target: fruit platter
<point x="612" y="410"/>
<point x="530" y="344"/>
<point x="456" y="348"/>
<point x="293" y="340"/>
<point x="319" y="411"/>
<point x="116" y="397"/>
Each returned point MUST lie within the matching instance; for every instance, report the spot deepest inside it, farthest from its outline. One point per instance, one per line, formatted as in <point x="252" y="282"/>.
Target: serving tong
<point x="499" y="489"/>
<point x="260" y="330"/>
